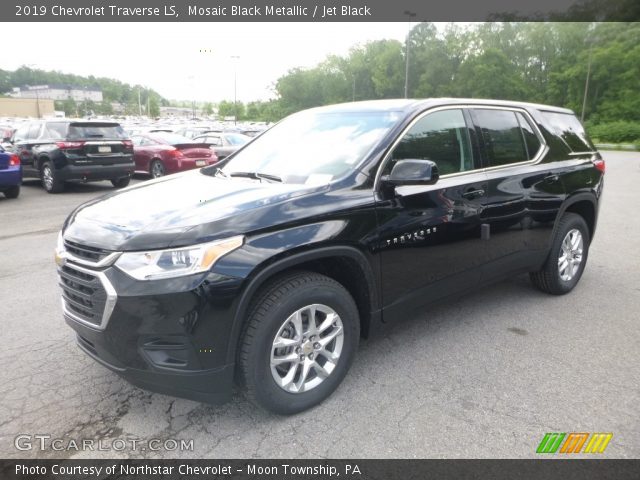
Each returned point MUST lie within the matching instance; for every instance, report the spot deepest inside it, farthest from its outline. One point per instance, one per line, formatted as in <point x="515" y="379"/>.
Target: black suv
<point x="57" y="151"/>
<point x="271" y="265"/>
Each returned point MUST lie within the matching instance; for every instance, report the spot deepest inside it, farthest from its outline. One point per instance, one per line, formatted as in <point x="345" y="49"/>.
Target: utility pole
<point x="235" y="89"/>
<point x="406" y="65"/>
<point x="353" y="90"/>
<point x="586" y="85"/>
<point x="38" y="101"/>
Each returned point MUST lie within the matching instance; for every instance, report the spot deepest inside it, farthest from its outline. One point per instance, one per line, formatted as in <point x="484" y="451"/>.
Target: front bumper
<point x="169" y="336"/>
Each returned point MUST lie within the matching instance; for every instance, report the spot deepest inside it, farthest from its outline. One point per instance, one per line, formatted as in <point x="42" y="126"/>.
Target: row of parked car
<point x="58" y="151"/>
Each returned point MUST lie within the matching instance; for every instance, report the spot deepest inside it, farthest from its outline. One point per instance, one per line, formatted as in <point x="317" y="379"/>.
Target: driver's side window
<point x="442" y="137"/>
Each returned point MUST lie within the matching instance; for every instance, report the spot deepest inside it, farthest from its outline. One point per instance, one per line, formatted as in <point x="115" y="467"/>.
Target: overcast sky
<point x="167" y="58"/>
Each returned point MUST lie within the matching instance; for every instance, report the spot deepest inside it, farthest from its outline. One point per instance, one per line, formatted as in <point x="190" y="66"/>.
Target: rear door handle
<point x="552" y="177"/>
<point x="470" y="194"/>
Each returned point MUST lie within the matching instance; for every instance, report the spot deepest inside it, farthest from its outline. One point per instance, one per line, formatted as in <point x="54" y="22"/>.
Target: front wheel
<point x="300" y="340"/>
<point x="567" y="258"/>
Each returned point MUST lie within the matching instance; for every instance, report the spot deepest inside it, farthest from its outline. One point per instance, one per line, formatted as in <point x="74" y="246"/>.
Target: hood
<point x="161" y="213"/>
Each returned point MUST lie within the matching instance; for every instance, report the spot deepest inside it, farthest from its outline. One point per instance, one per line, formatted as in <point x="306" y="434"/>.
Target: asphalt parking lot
<point x="485" y="377"/>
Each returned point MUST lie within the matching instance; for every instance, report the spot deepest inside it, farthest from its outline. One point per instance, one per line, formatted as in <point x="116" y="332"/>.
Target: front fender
<point x="263" y="257"/>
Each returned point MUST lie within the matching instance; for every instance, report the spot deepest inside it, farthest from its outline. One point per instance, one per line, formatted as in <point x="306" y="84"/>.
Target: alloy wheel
<point x="570" y="256"/>
<point x="47" y="177"/>
<point x="306" y="348"/>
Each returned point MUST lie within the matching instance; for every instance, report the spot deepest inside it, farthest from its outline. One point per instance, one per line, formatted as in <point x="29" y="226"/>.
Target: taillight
<point x="128" y="144"/>
<point x="599" y="164"/>
<point x="14" y="160"/>
<point x="175" y="153"/>
<point x="69" y="145"/>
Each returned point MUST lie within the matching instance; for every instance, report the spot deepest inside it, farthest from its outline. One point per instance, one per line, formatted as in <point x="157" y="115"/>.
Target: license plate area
<point x="104" y="148"/>
<point x="201" y="163"/>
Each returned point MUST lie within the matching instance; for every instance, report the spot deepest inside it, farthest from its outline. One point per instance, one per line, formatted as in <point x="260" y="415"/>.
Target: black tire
<point x="12" y="192"/>
<point x="268" y="313"/>
<point x="549" y="279"/>
<point x="49" y="178"/>
<point x="156" y="169"/>
<point x="121" y="182"/>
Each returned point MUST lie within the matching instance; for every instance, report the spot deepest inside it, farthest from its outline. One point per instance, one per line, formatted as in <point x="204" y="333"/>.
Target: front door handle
<point x="552" y="177"/>
<point x="471" y="194"/>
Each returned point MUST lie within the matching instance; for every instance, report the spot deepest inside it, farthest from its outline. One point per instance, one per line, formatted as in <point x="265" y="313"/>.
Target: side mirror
<point x="412" y="172"/>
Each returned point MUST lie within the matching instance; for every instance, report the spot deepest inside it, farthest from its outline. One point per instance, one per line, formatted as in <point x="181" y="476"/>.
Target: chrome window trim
<point x="105" y="262"/>
<point x="542" y="151"/>
<point x="576" y="154"/>
<point x="109" y="305"/>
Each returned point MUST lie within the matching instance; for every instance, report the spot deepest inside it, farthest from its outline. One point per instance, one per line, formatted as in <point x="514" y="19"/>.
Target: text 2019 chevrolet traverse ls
<point x="268" y="267"/>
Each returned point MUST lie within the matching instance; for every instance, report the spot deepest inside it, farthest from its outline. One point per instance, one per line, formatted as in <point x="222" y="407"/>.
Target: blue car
<point x="10" y="174"/>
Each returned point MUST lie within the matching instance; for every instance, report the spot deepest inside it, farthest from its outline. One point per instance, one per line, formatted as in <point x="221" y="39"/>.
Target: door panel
<point x="523" y="196"/>
<point x="429" y="241"/>
<point x="430" y="234"/>
<point x="521" y="206"/>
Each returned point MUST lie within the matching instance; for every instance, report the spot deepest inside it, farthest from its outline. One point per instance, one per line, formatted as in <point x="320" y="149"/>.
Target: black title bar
<point x="318" y="469"/>
<point x="316" y="11"/>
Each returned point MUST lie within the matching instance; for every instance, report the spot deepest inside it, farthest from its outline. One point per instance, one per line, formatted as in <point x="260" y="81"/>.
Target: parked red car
<point x="162" y="153"/>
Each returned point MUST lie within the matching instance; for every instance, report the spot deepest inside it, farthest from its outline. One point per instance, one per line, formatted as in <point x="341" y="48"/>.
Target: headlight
<point x="59" y="251"/>
<point x="176" y="262"/>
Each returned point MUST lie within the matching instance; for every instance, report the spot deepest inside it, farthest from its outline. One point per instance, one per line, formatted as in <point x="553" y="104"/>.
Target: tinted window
<point x="145" y="141"/>
<point x="21" y="133"/>
<point x="569" y="128"/>
<point x="34" y="131"/>
<point x="237" y="139"/>
<point x="531" y="140"/>
<point x="170" y="138"/>
<point x="95" y="130"/>
<point x="503" y="139"/>
<point x="442" y="137"/>
<point x="55" y="130"/>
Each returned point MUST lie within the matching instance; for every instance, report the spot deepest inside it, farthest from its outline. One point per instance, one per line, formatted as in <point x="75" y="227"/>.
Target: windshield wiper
<point x="257" y="176"/>
<point x="218" y="171"/>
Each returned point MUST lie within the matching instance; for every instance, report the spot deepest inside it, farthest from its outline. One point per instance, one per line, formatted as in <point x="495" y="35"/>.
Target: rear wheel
<point x="121" y="182"/>
<point x="567" y="258"/>
<point x="157" y="169"/>
<point x="12" y="192"/>
<point x="301" y="338"/>
<point x="49" y="179"/>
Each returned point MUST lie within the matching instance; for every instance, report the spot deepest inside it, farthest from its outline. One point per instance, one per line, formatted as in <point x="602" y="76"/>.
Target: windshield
<point x="237" y="138"/>
<point x="313" y="147"/>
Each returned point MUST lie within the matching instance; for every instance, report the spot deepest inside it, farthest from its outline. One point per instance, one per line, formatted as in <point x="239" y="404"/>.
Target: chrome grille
<point x="90" y="254"/>
<point x="87" y="296"/>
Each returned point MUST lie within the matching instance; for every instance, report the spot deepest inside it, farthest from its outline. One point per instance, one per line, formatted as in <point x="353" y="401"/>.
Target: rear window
<point x="237" y="139"/>
<point x="569" y="128"/>
<point x="95" y="130"/>
<point x="170" y="138"/>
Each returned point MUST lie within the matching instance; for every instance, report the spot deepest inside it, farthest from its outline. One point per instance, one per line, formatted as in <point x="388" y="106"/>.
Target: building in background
<point x="58" y="92"/>
<point x="26" y="107"/>
<point x="176" y="112"/>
